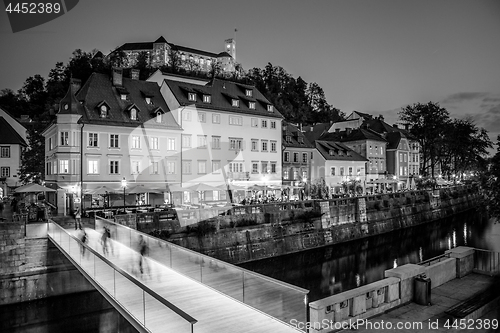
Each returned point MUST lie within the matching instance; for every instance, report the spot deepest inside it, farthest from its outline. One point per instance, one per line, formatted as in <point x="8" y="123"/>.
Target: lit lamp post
<point x="124" y="184"/>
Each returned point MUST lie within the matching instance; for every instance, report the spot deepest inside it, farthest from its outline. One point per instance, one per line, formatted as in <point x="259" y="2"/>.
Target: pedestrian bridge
<point x="180" y="290"/>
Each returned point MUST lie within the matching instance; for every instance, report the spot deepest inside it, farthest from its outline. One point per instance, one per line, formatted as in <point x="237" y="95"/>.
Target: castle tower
<point x="230" y="47"/>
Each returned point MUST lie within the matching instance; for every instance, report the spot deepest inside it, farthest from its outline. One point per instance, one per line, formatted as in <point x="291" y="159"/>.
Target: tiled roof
<point x="222" y="93"/>
<point x="136" y="46"/>
<point x="8" y="134"/>
<point x="99" y="89"/>
<point x="294" y="133"/>
<point x="354" y="135"/>
<point x="69" y="104"/>
<point x="339" y="151"/>
<point x="314" y="132"/>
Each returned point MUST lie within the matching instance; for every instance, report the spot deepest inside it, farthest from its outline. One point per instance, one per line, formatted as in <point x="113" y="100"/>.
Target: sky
<point x="373" y="56"/>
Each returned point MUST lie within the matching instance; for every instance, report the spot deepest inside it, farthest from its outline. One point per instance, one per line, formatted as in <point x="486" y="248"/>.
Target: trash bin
<point x="422" y="290"/>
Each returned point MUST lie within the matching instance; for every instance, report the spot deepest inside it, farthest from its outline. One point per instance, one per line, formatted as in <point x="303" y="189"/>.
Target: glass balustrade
<point x="276" y="298"/>
<point x="148" y="308"/>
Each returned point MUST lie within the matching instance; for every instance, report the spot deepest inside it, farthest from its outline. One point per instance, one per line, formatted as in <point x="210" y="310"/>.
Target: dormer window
<point x="236" y="103"/>
<point x="251" y="105"/>
<point x="300" y="139"/>
<point x="270" y="108"/>
<point x="103" y="111"/>
<point x="158" y="117"/>
<point x="148" y="100"/>
<point x="207" y="99"/>
<point x="192" y="97"/>
<point x="288" y="138"/>
<point x="331" y="152"/>
<point x="249" y="92"/>
<point x="133" y="114"/>
<point x="123" y="97"/>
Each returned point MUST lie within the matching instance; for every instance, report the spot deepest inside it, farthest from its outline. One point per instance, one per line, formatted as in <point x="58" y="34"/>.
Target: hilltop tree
<point x="33" y="157"/>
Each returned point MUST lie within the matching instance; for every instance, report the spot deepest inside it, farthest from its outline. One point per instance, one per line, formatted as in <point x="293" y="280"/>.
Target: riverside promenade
<point x="413" y="317"/>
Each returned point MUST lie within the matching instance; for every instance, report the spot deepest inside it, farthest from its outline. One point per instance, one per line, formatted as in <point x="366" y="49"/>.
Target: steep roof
<point x="99" y="90"/>
<point x="354" y="135"/>
<point x="332" y="150"/>
<point x="69" y="104"/>
<point x="222" y="92"/>
<point x="8" y="135"/>
<point x="294" y="133"/>
<point x="314" y="132"/>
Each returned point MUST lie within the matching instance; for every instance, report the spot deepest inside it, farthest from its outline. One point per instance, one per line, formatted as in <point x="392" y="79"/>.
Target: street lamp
<point x="124" y="184"/>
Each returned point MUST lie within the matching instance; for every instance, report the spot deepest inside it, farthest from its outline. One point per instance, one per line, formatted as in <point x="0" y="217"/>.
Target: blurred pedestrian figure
<point x="1" y="209"/>
<point x="84" y="239"/>
<point x="13" y="204"/>
<point x="143" y="249"/>
<point x="78" y="219"/>
<point x="104" y="241"/>
<point x="109" y="241"/>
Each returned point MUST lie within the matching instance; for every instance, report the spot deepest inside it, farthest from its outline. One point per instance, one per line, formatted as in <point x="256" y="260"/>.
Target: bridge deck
<point x="214" y="311"/>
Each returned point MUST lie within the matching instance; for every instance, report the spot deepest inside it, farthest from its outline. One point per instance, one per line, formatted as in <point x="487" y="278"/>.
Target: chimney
<point x="117" y="77"/>
<point x="135" y="74"/>
<point x="76" y="84"/>
<point x="381" y="117"/>
<point x="348" y="130"/>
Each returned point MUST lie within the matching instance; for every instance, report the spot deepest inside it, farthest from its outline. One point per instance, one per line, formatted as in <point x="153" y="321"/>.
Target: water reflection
<point x="334" y="269"/>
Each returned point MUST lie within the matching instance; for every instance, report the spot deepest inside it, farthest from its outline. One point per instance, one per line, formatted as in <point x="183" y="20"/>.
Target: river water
<point x="333" y="269"/>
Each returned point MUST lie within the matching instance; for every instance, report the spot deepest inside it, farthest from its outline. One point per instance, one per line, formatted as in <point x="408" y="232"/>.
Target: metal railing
<point x="432" y="261"/>
<point x="486" y="261"/>
<point x="139" y="301"/>
<point x="276" y="298"/>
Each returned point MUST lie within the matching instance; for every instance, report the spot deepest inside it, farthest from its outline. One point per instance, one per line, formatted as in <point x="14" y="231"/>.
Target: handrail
<point x="437" y="258"/>
<point x="159" y="298"/>
<point x="246" y="271"/>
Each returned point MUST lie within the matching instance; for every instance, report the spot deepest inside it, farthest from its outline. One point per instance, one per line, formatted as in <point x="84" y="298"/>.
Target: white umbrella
<point x="33" y="188"/>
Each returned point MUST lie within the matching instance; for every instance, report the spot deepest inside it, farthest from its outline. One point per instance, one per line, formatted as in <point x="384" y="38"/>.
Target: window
<point x="5" y="172"/>
<point x="255" y="144"/>
<point x="332" y="171"/>
<point x="64" y="139"/>
<point x="64" y="166"/>
<point x="304" y="157"/>
<point x="54" y="168"/>
<point x="270" y="108"/>
<point x="51" y="144"/>
<point x="235" y="103"/>
<point x="273" y="167"/>
<point x="113" y="167"/>
<point x="254" y="122"/>
<point x="192" y="97"/>
<point x="136" y="142"/>
<point x="216" y="118"/>
<point x="273" y="146"/>
<point x="216" y="142"/>
<point x="295" y="157"/>
<point x="103" y="111"/>
<point x="296" y="174"/>
<point x="93" y="167"/>
<point x="207" y="99"/>
<point x="287" y="157"/>
<point x="273" y="124"/>
<point x="216" y="166"/>
<point x="400" y="170"/>
<point x="255" y="167"/>
<point x="288" y="138"/>
<point x="251" y="105"/>
<point x="154" y="143"/>
<point x="186" y="167"/>
<point x="350" y="171"/>
<point x="148" y="100"/>
<point x="135" y="167"/>
<point x="154" y="168"/>
<point x="405" y="157"/>
<point x="341" y="171"/>
<point x="202" y="167"/>
<point x="304" y="174"/>
<point x="235" y="120"/>
<point x="285" y="174"/>
<point x="133" y="114"/>
<point x="170" y="167"/>
<point x="376" y="150"/>
<point x="235" y="144"/>
<point x="202" y="141"/>
<point x="264" y="167"/>
<point x="186" y="141"/>
<point x="249" y="92"/>
<point x="186" y="116"/>
<point x="5" y="152"/>
<point x="113" y="141"/>
<point x="264" y="145"/>
<point x="264" y="123"/>
<point x="170" y="143"/>
<point x="202" y="117"/>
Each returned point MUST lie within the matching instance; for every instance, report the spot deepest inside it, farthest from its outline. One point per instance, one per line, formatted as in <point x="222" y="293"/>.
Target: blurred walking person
<point x="143" y="251"/>
<point x="78" y="219"/>
<point x="104" y="241"/>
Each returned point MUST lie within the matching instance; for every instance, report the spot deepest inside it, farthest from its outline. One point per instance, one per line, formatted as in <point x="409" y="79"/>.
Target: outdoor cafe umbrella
<point x="102" y="190"/>
<point x="142" y="189"/>
<point x="33" y="188"/>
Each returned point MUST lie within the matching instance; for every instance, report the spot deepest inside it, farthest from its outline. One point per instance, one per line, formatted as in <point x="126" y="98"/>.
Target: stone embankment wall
<point x="250" y="233"/>
<point x="33" y="268"/>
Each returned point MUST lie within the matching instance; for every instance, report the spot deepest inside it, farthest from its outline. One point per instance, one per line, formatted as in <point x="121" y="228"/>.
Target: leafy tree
<point x="174" y="60"/>
<point x="33" y="157"/>
<point x="491" y="183"/>
<point x="143" y="65"/>
<point x="427" y="123"/>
